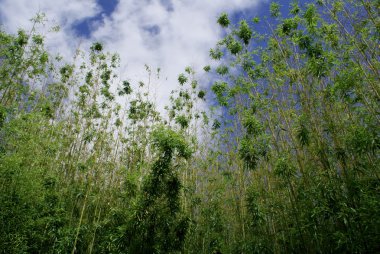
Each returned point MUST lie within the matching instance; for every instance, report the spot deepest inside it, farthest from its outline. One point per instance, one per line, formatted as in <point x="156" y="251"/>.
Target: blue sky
<point x="165" y="34"/>
<point x="83" y="27"/>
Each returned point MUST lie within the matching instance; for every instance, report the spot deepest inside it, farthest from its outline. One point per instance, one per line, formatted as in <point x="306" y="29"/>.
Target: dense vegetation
<point x="290" y="165"/>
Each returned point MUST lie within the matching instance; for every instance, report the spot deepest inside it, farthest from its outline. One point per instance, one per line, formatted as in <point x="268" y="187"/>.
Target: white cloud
<point x="15" y="14"/>
<point x="161" y="33"/>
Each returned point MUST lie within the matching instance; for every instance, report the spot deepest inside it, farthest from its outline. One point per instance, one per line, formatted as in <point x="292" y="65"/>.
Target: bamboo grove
<point x="282" y="157"/>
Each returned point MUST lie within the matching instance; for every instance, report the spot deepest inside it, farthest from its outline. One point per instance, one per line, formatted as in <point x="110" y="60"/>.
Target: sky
<point x="165" y="34"/>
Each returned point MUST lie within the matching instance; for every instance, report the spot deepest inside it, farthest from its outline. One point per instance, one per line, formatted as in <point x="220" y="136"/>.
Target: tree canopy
<point x="280" y="154"/>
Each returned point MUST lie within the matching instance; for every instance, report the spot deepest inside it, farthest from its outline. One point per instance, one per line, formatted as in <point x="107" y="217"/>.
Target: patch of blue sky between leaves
<point x="85" y="27"/>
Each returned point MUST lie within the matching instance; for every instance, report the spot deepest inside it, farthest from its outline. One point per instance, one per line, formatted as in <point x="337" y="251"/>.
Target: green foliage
<point x="97" y="47"/>
<point x="182" y="79"/>
<point x="303" y="134"/>
<point x="3" y="115"/>
<point x="244" y="32"/>
<point x="275" y="9"/>
<point x="207" y="68"/>
<point x="182" y="121"/>
<point x="252" y="125"/>
<point x="251" y="150"/>
<point x="234" y="46"/>
<point x="223" y="20"/>
<point x="168" y="142"/>
<point x="303" y="111"/>
<point x="216" y="124"/>
<point x="220" y="90"/>
<point x="222" y="70"/>
<point x="283" y="168"/>
<point x="216" y="54"/>
<point x="66" y="72"/>
<point x="286" y="162"/>
<point x="157" y="224"/>
<point x="289" y="25"/>
<point x="201" y="94"/>
<point x="311" y="17"/>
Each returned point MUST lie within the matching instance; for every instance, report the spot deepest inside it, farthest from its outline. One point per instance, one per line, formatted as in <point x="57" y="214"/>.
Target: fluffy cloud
<point x="170" y="34"/>
<point x="15" y="14"/>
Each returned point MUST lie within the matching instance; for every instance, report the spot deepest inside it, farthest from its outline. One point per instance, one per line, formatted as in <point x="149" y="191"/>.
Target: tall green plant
<point x="307" y="124"/>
